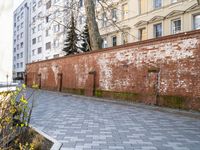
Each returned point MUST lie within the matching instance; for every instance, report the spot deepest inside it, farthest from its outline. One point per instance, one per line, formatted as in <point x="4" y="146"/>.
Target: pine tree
<point x="70" y="44"/>
<point x="85" y="46"/>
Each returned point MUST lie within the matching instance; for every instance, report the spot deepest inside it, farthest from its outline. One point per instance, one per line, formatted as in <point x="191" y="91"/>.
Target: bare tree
<point x="95" y="38"/>
<point x="92" y="16"/>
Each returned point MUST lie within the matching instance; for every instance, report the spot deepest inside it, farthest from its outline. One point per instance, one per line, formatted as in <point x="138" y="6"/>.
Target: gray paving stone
<point x="84" y="123"/>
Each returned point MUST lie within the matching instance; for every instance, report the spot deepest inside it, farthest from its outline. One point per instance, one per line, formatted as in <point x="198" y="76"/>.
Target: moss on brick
<point x="163" y="100"/>
<point x="117" y="95"/>
<point x="172" y="101"/>
<point x="98" y="93"/>
<point x="74" y="91"/>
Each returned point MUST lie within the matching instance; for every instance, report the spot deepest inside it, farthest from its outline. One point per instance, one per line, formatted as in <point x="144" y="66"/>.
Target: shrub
<point x="15" y="114"/>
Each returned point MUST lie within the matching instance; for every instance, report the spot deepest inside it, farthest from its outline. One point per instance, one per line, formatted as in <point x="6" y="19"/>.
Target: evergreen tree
<point x="70" y="44"/>
<point x="85" y="46"/>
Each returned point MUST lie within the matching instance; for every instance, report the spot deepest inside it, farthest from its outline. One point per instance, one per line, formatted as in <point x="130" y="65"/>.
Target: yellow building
<point x="126" y="21"/>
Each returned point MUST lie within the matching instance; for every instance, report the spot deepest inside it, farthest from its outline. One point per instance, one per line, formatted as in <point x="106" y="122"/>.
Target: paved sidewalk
<point x="82" y="123"/>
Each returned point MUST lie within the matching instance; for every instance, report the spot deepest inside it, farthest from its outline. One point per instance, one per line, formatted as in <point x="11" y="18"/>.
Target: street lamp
<point x="7" y="79"/>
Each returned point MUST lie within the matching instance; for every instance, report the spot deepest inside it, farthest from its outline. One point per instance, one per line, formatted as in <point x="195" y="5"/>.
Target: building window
<point x="125" y="38"/>
<point x="56" y="28"/>
<point x="40" y="15"/>
<point x="125" y="11"/>
<point x="22" y="14"/>
<point x="114" y="14"/>
<point x="48" y="4"/>
<point x="176" y="26"/>
<point x="81" y="3"/>
<point x="157" y="4"/>
<point x="158" y="30"/>
<point x="56" y="56"/>
<point x="17" y="65"/>
<point x="39" y="3"/>
<point x="34" y="41"/>
<point x="174" y="1"/>
<point x="21" y="44"/>
<point x="22" y="24"/>
<point x="14" y="49"/>
<point x="56" y="13"/>
<point x="34" y="8"/>
<point x="33" y="52"/>
<point x="14" y="58"/>
<point x="80" y="19"/>
<point x="17" y="56"/>
<point x="47" y="19"/>
<point x="55" y="1"/>
<point x="18" y="18"/>
<point x="21" y="65"/>
<point x="196" y="21"/>
<point x="39" y="38"/>
<point x="21" y="8"/>
<point x="114" y="40"/>
<point x="56" y="43"/>
<point x="21" y="55"/>
<point x="22" y="35"/>
<point x="142" y="34"/>
<point x="33" y="30"/>
<point x="15" y="16"/>
<point x="104" y="43"/>
<point x="17" y="46"/>
<point x="104" y="20"/>
<point x="17" y="37"/>
<point x="34" y="19"/>
<point x="47" y="32"/>
<point x="39" y="27"/>
<point x="48" y="45"/>
<point x="39" y="50"/>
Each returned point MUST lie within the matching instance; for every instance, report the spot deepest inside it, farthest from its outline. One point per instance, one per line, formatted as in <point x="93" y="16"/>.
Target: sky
<point x="6" y="37"/>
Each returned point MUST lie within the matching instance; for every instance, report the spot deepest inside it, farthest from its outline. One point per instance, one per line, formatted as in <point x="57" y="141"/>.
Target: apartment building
<point x="20" y="39"/>
<point x="125" y="21"/>
<point x="47" y="29"/>
<point x="38" y="32"/>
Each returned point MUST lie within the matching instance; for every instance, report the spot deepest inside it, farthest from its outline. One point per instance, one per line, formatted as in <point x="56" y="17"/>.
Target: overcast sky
<point x="6" y="32"/>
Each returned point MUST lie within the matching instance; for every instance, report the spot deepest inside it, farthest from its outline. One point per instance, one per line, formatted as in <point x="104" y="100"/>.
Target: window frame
<point x="114" y="43"/>
<point x="174" y="31"/>
<point x="157" y="7"/>
<point x="193" y="21"/>
<point x="154" y="31"/>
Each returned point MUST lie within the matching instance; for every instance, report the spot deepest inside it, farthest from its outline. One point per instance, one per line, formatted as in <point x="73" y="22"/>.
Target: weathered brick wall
<point x="163" y="71"/>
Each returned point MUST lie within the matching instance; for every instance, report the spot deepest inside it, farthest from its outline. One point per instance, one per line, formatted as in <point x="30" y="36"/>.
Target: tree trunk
<point x="95" y="38"/>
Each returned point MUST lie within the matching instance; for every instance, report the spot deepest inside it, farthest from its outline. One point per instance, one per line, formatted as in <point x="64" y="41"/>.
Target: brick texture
<point x="163" y="71"/>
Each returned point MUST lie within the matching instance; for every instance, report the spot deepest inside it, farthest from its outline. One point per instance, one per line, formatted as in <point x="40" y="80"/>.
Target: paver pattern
<point x="82" y="123"/>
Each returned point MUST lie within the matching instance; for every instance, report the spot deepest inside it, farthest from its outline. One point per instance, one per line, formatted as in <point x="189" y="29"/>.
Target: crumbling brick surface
<point x="163" y="71"/>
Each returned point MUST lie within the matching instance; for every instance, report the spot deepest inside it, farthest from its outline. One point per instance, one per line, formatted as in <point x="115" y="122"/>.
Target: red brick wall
<point x="163" y="71"/>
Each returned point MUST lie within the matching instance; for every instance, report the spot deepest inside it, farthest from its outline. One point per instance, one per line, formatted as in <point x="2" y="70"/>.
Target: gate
<point x="153" y="82"/>
<point x="60" y="77"/>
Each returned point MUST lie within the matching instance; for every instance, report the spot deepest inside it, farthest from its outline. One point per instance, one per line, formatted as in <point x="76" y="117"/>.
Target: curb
<point x="56" y="145"/>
